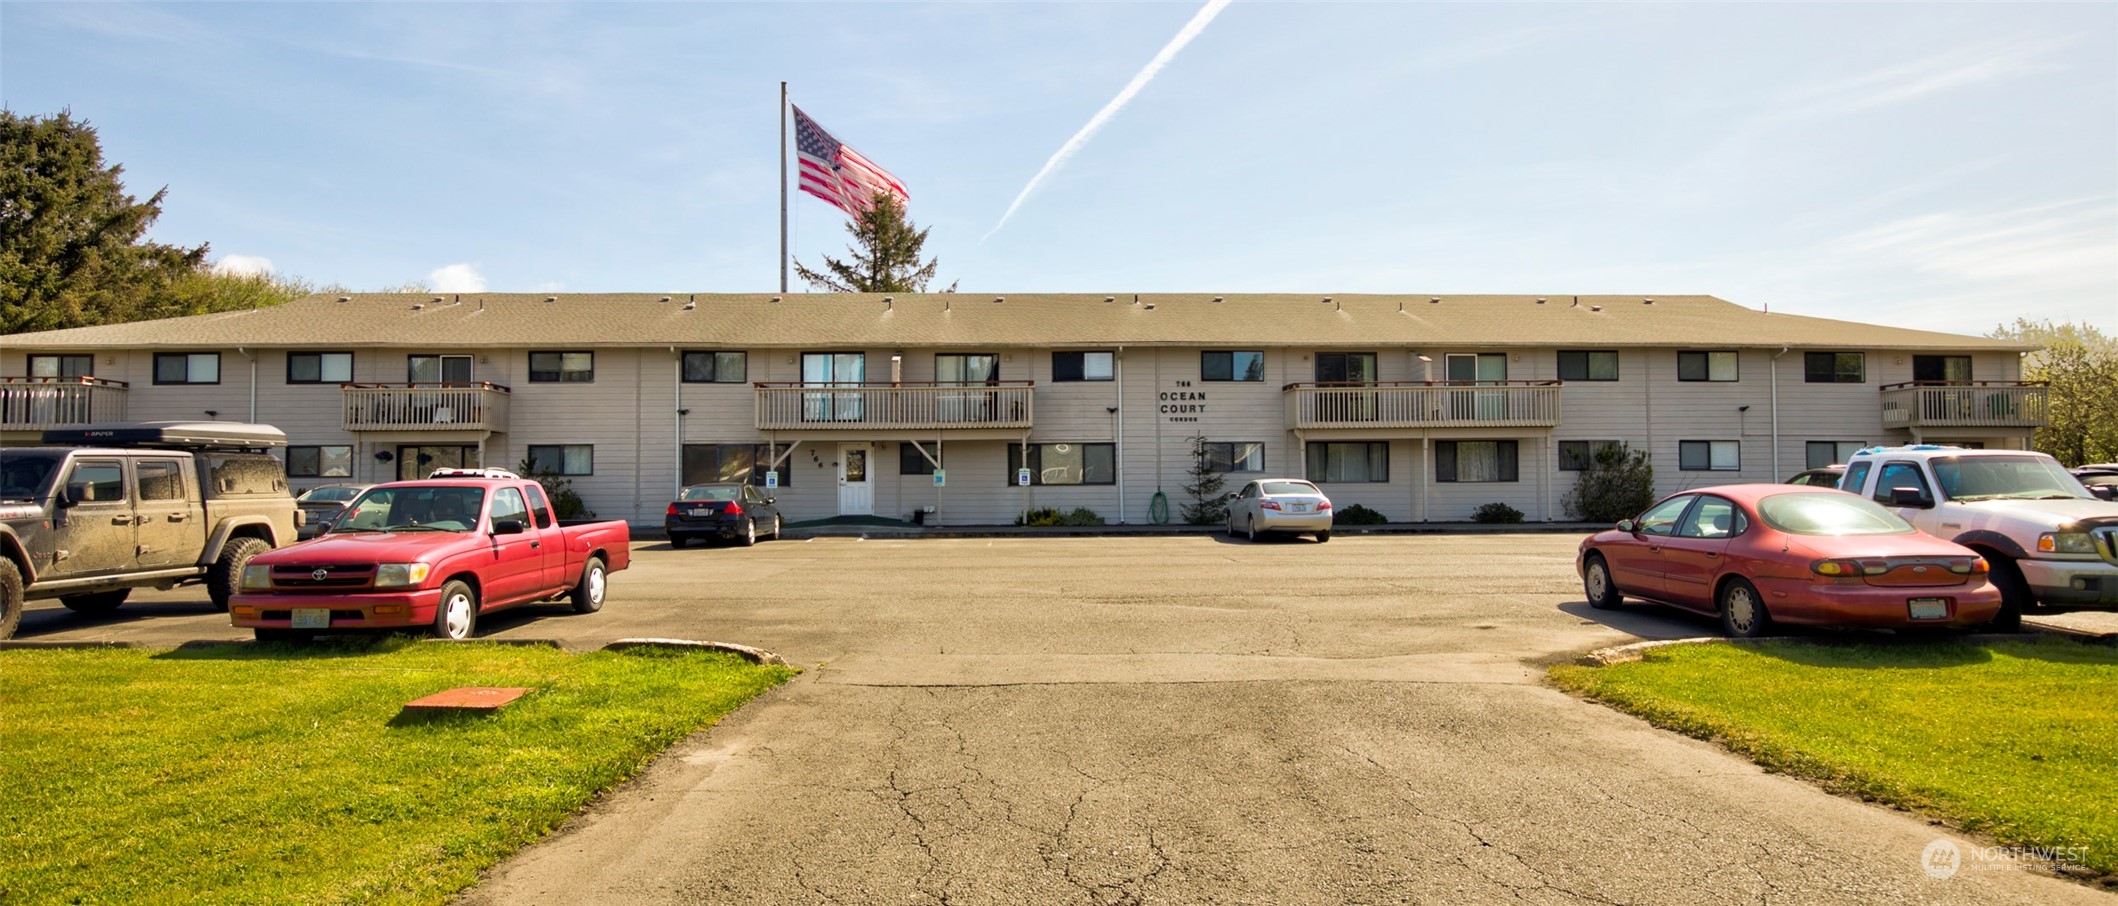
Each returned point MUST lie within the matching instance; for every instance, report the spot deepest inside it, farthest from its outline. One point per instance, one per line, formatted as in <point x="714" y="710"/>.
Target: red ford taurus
<point x="1760" y="554"/>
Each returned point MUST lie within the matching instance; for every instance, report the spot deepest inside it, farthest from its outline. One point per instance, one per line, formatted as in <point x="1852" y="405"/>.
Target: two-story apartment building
<point x="1421" y="407"/>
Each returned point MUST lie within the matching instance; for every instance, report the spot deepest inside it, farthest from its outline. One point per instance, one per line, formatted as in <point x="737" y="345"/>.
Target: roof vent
<point x="1577" y="301"/>
<point x="665" y="299"/>
<point x="551" y="298"/>
<point x="1150" y="306"/>
<point x="1109" y="299"/>
<point x="1595" y="308"/>
<point x="999" y="299"/>
<point x="1218" y="300"/>
<point x="691" y="305"/>
<point x="1648" y="301"/>
<point x="1433" y="300"/>
<point x="886" y="303"/>
<point x="1327" y="298"/>
<point x="438" y="300"/>
<point x="345" y="298"/>
<point x="1540" y="300"/>
<point x="417" y="306"/>
<point x="774" y="299"/>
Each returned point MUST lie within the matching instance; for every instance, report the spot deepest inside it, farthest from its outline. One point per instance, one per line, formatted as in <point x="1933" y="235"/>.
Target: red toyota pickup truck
<point x="433" y="553"/>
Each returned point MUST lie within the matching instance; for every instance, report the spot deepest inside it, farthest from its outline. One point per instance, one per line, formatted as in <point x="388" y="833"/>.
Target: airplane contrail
<point x="1169" y="51"/>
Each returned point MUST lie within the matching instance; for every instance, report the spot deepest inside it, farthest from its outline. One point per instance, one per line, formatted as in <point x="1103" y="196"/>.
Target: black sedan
<point x="321" y="505"/>
<point x="726" y="510"/>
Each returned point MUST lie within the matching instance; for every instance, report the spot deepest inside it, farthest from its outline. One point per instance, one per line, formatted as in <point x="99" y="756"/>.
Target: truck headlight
<point x="394" y="574"/>
<point x="2065" y="543"/>
<point x="257" y="575"/>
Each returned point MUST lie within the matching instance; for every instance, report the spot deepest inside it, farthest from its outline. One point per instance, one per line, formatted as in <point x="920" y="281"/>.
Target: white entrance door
<point x="856" y="495"/>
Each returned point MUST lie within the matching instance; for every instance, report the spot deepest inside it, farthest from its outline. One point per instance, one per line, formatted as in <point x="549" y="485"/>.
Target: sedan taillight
<point x="672" y="510"/>
<point x="1269" y="505"/>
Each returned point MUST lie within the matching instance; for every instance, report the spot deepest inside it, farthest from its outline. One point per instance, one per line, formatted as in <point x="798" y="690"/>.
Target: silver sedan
<point x="1286" y="505"/>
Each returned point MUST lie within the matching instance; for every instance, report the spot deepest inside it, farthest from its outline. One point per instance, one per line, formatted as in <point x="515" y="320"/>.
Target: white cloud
<point x="243" y="265"/>
<point x="457" y="278"/>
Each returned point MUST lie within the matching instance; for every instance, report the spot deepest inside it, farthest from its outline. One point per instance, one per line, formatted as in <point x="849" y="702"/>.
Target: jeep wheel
<point x="11" y="598"/>
<point x="100" y="602"/>
<point x="595" y="582"/>
<point x="2015" y="596"/>
<point x="226" y="574"/>
<point x="456" y="615"/>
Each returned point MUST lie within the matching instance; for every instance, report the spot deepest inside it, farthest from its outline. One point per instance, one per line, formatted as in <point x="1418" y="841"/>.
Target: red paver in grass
<point x="468" y="698"/>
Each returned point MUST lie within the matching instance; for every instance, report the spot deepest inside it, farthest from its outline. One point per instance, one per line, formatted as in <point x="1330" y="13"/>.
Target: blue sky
<point x="1948" y="166"/>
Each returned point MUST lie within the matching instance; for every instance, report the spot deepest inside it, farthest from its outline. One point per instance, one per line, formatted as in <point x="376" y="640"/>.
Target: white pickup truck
<point x="2052" y="545"/>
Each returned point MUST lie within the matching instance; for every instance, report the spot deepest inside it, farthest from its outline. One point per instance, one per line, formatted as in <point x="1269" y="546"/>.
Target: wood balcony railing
<point x="1421" y="404"/>
<point x="477" y="406"/>
<point x="889" y="407"/>
<point x="1965" y="404"/>
<point x="36" y="403"/>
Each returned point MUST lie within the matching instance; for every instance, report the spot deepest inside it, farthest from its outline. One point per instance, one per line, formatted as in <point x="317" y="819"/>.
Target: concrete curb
<point x="753" y="655"/>
<point x="1636" y="651"/>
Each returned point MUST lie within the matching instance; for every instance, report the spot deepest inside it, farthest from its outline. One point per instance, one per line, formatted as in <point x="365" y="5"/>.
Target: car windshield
<point x="2004" y="477"/>
<point x="1829" y="514"/>
<point x="413" y="509"/>
<point x="711" y="492"/>
<point x="330" y="495"/>
<point x="23" y="476"/>
<point x="1278" y="488"/>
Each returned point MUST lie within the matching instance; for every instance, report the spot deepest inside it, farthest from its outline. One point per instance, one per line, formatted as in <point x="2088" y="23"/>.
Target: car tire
<point x="1743" y="612"/>
<point x="12" y="598"/>
<point x="749" y="536"/>
<point x="456" y="614"/>
<point x="99" y="602"/>
<point x="1250" y="528"/>
<point x="1231" y="525"/>
<point x="776" y="526"/>
<point x="2015" y="596"/>
<point x="1596" y="583"/>
<point x="1323" y="536"/>
<point x="226" y="574"/>
<point x="594" y="585"/>
<point x="263" y="634"/>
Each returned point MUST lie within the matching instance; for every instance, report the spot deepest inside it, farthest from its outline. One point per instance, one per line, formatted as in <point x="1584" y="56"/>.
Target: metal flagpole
<point x="783" y="187"/>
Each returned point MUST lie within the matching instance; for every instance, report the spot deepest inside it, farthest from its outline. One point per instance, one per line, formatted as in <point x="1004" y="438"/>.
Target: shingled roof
<point x="764" y="321"/>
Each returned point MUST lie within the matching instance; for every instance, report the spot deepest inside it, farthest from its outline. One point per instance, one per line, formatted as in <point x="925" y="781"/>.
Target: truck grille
<point x="2106" y="542"/>
<point x="322" y="576"/>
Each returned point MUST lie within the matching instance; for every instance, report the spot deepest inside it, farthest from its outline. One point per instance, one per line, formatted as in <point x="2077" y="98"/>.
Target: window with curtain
<point x="562" y="367"/>
<point x="1237" y="456"/>
<point x="1349" y="461"/>
<point x="1706" y="366"/>
<point x="319" y="367"/>
<point x="1709" y="455"/>
<point x="1834" y="367"/>
<point x="563" y="459"/>
<point x="1064" y="463"/>
<point x="1081" y="366"/>
<point x="1588" y="365"/>
<point x="1476" y="461"/>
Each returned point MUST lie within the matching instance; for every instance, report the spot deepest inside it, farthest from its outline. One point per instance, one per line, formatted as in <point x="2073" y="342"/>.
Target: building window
<point x="1065" y="463"/>
<point x="62" y="366"/>
<point x="438" y="369"/>
<point x="1589" y="365"/>
<point x="1834" y="367"/>
<point x="912" y="462"/>
<point x="319" y="367"/>
<point x="563" y="459"/>
<point x="1577" y="455"/>
<point x="320" y="462"/>
<point x="420" y="461"/>
<point x="1706" y="366"/>
<point x="1081" y="366"/>
<point x="1822" y="453"/>
<point x="1231" y="366"/>
<point x="704" y="463"/>
<point x="1709" y="455"/>
<point x="187" y="367"/>
<point x="1475" y="460"/>
<point x="716" y="367"/>
<point x="1236" y="456"/>
<point x="1345" y="368"/>
<point x="1349" y="461"/>
<point x="1941" y="369"/>
<point x="562" y="367"/>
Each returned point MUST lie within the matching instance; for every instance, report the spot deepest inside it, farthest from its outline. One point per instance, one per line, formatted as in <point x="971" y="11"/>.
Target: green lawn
<point x="2017" y="739"/>
<point x="279" y="774"/>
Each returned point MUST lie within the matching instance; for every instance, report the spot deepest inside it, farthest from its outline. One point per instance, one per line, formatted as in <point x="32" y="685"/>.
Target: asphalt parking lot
<point x="1183" y="719"/>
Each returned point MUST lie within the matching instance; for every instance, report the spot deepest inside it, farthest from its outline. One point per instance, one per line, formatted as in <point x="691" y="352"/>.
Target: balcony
<point x="1968" y="404"/>
<point x="37" y="403"/>
<point x="1418" y="404"/>
<point x="1001" y="406"/>
<point x="425" y="407"/>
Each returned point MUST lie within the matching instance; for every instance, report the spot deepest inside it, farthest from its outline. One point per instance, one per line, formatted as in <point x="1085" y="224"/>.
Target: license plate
<point x="701" y="511"/>
<point x="1928" y="608"/>
<point x="312" y="618"/>
<point x="1297" y="508"/>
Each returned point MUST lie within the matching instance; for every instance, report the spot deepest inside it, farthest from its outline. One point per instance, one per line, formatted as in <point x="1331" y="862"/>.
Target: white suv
<point x="2053" y="546"/>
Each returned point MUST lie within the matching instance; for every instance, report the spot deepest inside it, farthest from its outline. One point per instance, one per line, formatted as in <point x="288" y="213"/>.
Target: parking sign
<point x="941" y="478"/>
<point x="1022" y="478"/>
<point x="772" y="478"/>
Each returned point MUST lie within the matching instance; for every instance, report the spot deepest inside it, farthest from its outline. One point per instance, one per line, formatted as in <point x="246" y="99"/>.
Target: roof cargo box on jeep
<point x="184" y="435"/>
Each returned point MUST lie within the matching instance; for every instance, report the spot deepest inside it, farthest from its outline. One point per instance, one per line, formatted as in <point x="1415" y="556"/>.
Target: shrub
<point x="1359" y="515"/>
<point x="1616" y="483"/>
<point x="1050" y="516"/>
<point x="1497" y="512"/>
<point x="566" y="504"/>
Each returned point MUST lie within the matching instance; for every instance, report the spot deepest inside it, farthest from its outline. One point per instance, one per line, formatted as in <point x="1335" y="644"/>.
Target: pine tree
<point x="1208" y="504"/>
<point x="885" y="256"/>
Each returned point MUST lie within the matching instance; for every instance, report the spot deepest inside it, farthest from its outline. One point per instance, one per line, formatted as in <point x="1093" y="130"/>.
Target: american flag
<point x="834" y="172"/>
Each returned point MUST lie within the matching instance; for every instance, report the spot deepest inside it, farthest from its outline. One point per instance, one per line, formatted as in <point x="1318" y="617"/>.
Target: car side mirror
<point x="507" y="527"/>
<point x="1627" y="525"/>
<point x="1911" y="497"/>
<point x="770" y="500"/>
<point x="2105" y="491"/>
<point x="74" y="493"/>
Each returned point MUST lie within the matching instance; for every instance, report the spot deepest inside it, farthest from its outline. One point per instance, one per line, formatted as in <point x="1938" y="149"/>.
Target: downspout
<point x="677" y="389"/>
<point x="1118" y="407"/>
<point x="253" y="381"/>
<point x="1776" y="473"/>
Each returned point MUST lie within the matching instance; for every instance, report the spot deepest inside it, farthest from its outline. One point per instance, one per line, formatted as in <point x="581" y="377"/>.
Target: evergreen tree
<point x="71" y="247"/>
<point x="1208" y="504"/>
<point x="885" y="256"/>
